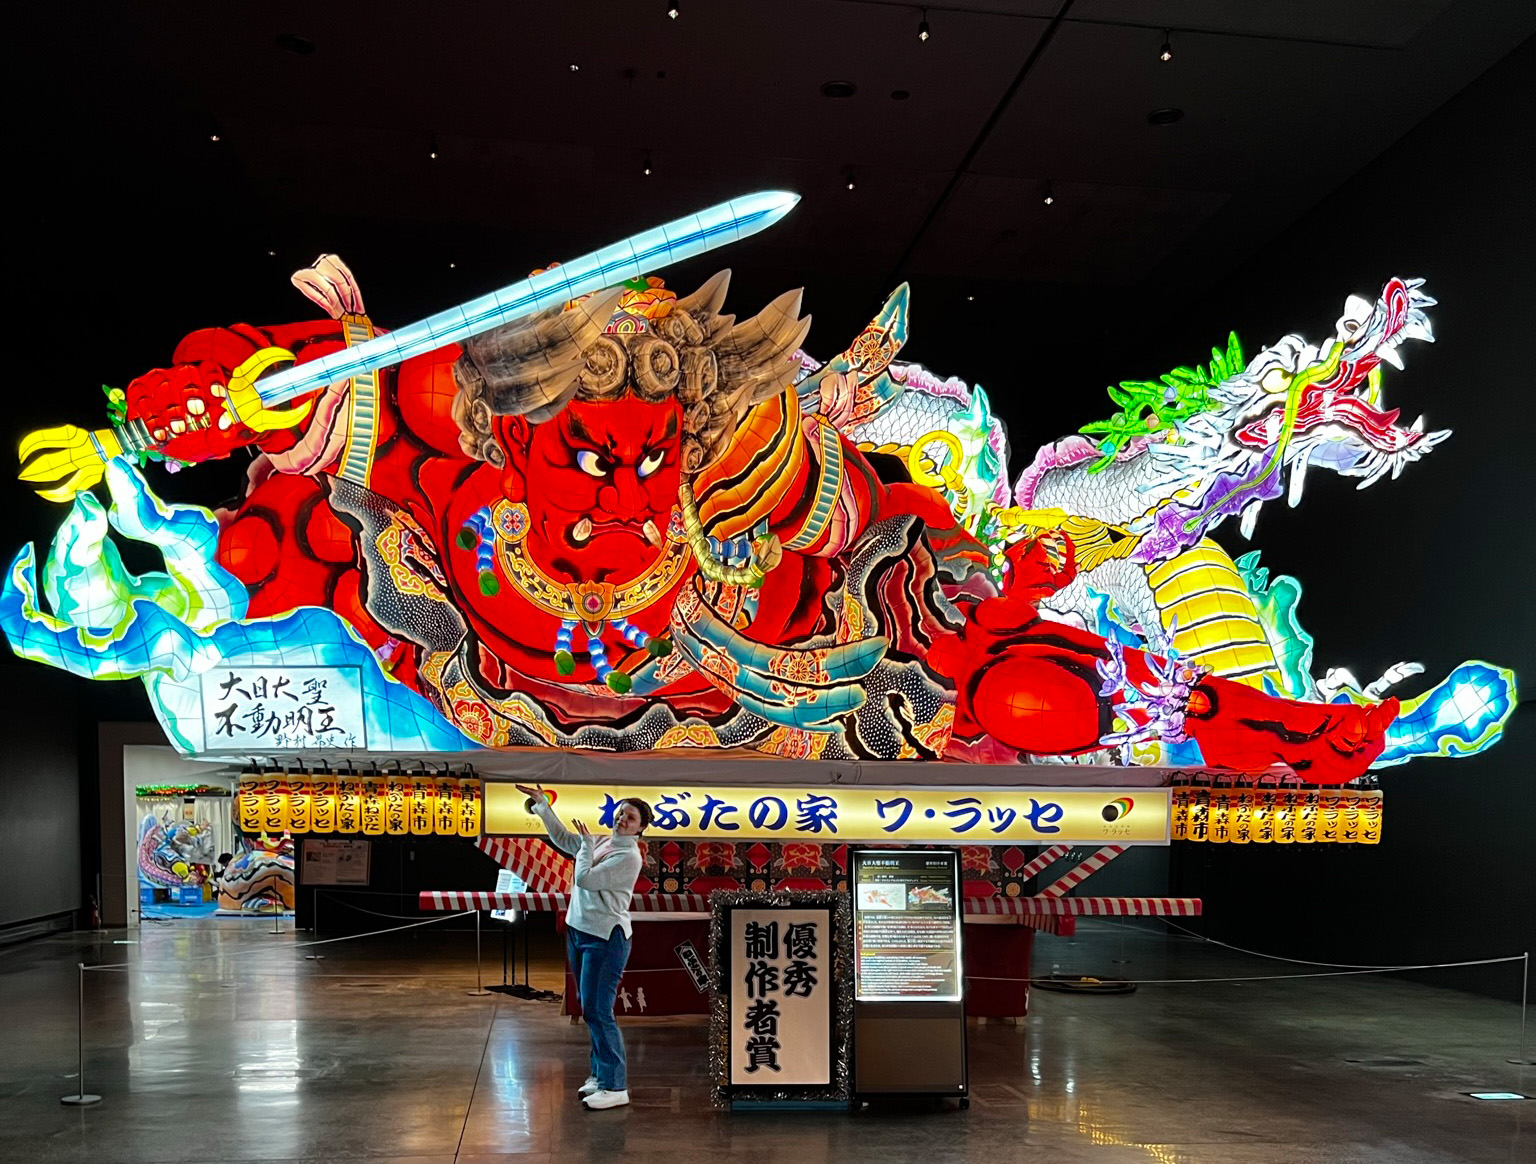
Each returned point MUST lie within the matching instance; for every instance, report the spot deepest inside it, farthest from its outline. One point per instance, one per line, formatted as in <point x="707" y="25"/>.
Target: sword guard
<point x="245" y="403"/>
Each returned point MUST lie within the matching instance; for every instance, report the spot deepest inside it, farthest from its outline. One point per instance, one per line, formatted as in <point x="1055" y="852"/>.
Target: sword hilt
<point x="72" y="457"/>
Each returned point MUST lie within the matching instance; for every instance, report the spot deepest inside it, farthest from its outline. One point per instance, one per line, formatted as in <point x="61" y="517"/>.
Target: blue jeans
<point x="597" y="964"/>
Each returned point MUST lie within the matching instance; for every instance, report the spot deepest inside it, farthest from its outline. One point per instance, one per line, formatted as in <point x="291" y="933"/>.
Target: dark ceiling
<point x="132" y="214"/>
<point x="1282" y="100"/>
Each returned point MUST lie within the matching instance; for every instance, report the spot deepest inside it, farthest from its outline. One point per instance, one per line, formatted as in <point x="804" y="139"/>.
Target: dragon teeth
<point x="1298" y="481"/>
<point x="1250" y="519"/>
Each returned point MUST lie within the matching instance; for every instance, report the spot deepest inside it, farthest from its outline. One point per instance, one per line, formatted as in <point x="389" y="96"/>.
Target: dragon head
<point x="1253" y="434"/>
<point x="1323" y="407"/>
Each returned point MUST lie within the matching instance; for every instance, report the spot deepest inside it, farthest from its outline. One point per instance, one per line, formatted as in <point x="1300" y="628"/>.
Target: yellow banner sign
<point x="836" y="815"/>
<point x="1277" y="816"/>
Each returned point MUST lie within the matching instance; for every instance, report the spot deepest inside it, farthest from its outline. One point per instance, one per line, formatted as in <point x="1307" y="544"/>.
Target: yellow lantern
<point x="1285" y="818"/>
<point x="1370" y="819"/>
<point x="1306" y="823"/>
<point x="373" y="806"/>
<point x="300" y="806"/>
<point x="1242" y="816"/>
<point x="1178" y="822"/>
<point x="469" y="808"/>
<point x="420" y="809"/>
<point x="396" y="790"/>
<point x="1331" y="818"/>
<point x="349" y="805"/>
<point x="445" y="820"/>
<point x="248" y="807"/>
<point x="323" y="805"/>
<point x="1221" y="816"/>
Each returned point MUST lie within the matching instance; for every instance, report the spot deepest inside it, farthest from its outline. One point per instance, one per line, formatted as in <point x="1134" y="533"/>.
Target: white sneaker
<point x="589" y="1086"/>
<point x="599" y="1100"/>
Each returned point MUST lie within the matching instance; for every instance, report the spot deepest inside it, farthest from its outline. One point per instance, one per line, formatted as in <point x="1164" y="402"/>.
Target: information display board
<point x="906" y="922"/>
<point x="327" y="862"/>
<point x="507" y="882"/>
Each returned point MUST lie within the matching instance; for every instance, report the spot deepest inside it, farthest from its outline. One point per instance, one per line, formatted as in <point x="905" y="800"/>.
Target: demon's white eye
<point x="587" y="461"/>
<point x="652" y="462"/>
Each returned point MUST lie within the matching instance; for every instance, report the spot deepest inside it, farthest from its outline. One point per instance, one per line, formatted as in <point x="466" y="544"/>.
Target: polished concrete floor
<point x="223" y="1042"/>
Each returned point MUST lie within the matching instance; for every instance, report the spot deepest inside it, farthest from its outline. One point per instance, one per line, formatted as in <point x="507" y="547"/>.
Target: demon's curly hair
<point x="716" y="367"/>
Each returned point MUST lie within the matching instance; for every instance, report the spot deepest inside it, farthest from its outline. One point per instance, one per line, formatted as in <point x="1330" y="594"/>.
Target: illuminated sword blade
<point x="637" y="255"/>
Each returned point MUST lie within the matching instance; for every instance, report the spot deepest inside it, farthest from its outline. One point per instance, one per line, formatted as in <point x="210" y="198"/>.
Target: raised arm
<point x="561" y="837"/>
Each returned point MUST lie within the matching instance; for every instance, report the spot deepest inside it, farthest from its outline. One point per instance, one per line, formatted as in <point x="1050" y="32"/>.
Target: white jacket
<point x="606" y="871"/>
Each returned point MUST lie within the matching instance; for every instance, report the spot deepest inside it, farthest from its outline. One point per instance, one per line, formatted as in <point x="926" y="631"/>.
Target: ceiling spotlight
<point x="575" y="68"/>
<point x="213" y="137"/>
<point x="970" y="299"/>
<point x="1167" y="51"/>
<point x="1050" y="194"/>
<point x="849" y="179"/>
<point x="647" y="164"/>
<point x="922" y="26"/>
<point x="432" y="149"/>
<point x="673" y="9"/>
<point x="451" y="266"/>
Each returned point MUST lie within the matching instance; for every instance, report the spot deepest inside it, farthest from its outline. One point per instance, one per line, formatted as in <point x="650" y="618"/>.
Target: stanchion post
<point x="479" y="986"/>
<point x="81" y="1098"/>
<point x="1525" y="984"/>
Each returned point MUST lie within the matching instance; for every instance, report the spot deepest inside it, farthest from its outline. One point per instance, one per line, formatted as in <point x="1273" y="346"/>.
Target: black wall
<point x="49" y="786"/>
<point x="1436" y="566"/>
<point x="40" y="830"/>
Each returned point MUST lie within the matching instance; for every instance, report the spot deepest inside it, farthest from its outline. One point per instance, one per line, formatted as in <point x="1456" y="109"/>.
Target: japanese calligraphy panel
<point x="780" y="1014"/>
<point x="838" y="814"/>
<point x="273" y="708"/>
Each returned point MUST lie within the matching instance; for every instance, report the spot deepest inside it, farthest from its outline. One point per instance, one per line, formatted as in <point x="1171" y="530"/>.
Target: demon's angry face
<point x="600" y="482"/>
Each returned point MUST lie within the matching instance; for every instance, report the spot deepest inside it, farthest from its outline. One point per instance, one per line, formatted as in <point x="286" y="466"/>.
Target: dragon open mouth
<point x="1375" y="428"/>
<point x="1367" y="335"/>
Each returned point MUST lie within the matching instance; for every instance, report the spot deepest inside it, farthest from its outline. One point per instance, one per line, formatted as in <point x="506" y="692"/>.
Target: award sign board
<point x="780" y="1015"/>
<point x="328" y="862"/>
<point x="781" y="998"/>
<point x="906" y="924"/>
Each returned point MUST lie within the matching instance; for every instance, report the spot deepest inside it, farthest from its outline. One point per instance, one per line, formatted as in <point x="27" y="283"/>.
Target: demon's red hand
<point x="186" y="411"/>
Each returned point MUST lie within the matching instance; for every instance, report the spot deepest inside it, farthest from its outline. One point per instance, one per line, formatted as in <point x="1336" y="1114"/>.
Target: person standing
<point x="598" y="930"/>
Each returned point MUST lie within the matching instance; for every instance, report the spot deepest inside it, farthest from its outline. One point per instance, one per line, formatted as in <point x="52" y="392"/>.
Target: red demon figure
<point x="613" y="526"/>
